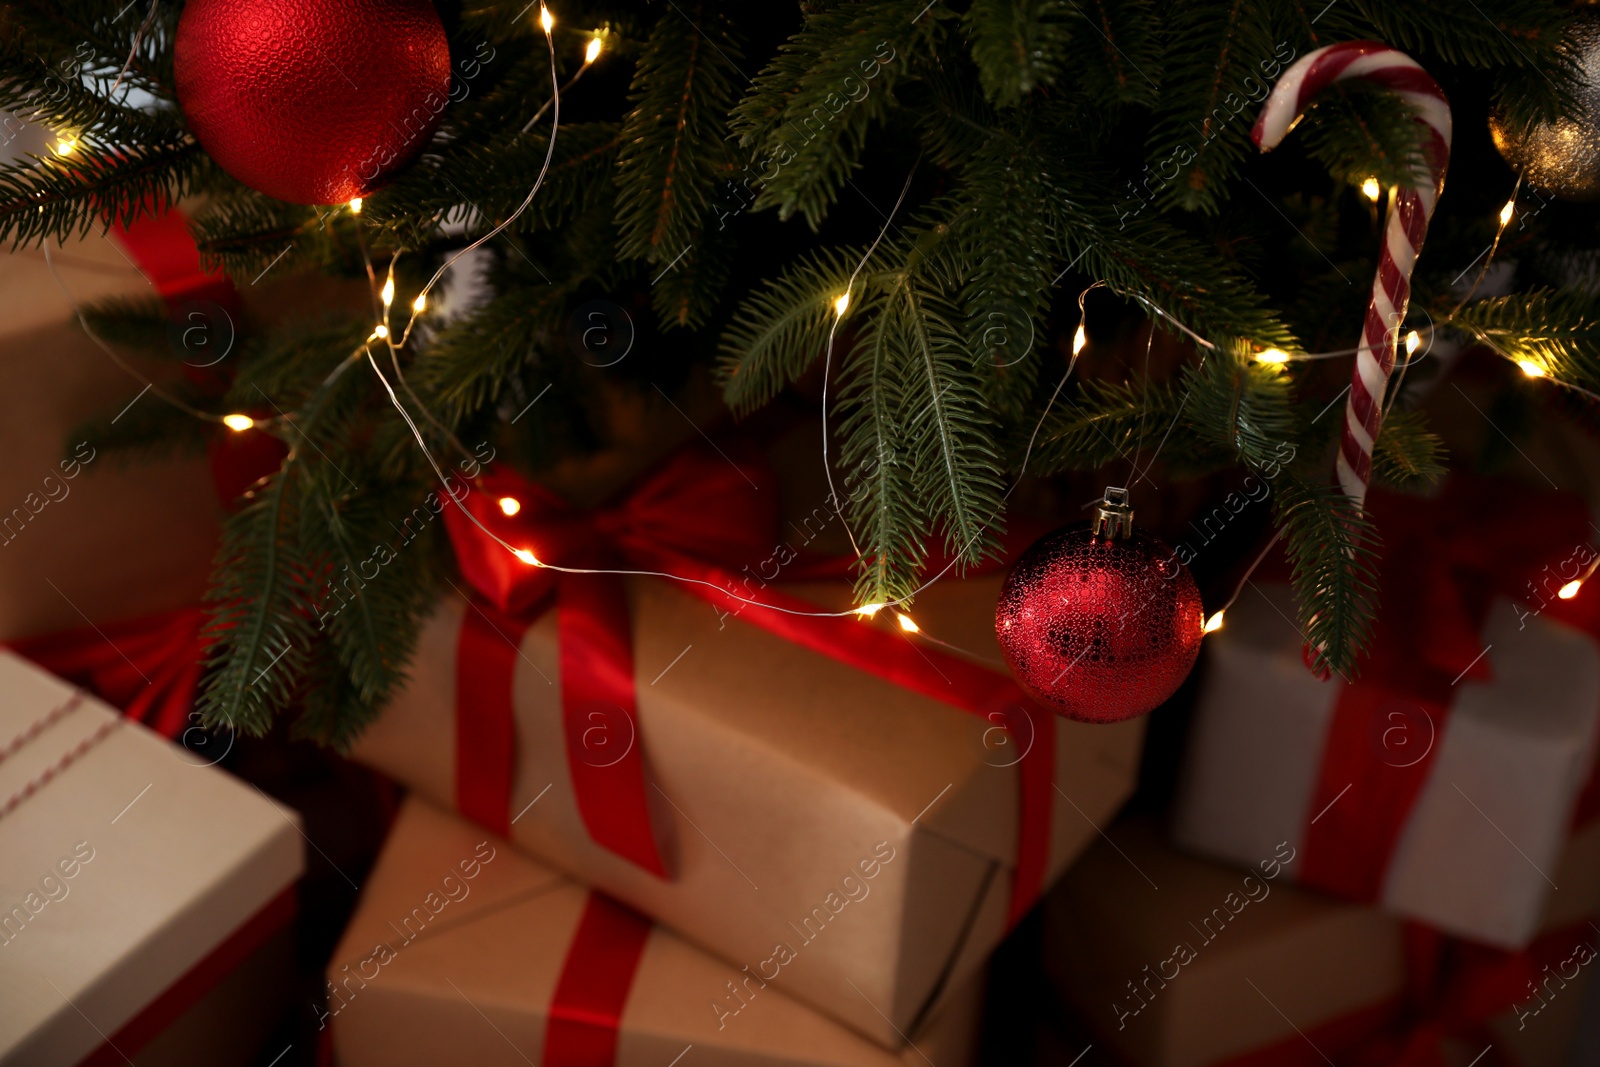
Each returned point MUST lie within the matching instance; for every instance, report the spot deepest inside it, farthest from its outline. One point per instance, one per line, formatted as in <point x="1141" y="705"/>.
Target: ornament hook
<point x="1113" y="516"/>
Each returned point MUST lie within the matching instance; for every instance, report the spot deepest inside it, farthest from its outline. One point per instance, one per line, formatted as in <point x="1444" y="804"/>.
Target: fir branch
<point x="881" y="502"/>
<point x="1407" y="456"/>
<point x="781" y="328"/>
<point x="1331" y="549"/>
<point x="675" y="146"/>
<point x="260" y="627"/>
<point x="1556" y="332"/>
<point x="1018" y="45"/>
<point x="807" y="115"/>
<point x="67" y="197"/>
<point x="1217" y="66"/>
<point x="954" y="461"/>
<point x="1122" y="57"/>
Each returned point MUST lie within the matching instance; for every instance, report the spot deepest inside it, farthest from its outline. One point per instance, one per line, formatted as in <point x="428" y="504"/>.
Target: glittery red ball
<point x="1099" y="629"/>
<point x="312" y="101"/>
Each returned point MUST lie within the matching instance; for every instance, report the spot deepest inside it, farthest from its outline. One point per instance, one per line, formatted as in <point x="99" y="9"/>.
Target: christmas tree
<point x="911" y="196"/>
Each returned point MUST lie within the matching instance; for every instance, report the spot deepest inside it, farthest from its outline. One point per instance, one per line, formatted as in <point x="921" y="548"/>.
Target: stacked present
<point x="1415" y="859"/>
<point x="146" y="896"/>
<point x="837" y="825"/>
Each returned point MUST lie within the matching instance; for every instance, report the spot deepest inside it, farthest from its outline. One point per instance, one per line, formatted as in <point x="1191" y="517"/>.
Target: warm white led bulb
<point x="907" y="625"/>
<point x="1505" y="212"/>
<point x="1213" y="624"/>
<point x="388" y="292"/>
<point x="1371" y="189"/>
<point x="509" y="505"/>
<point x="355" y="206"/>
<point x="1079" y="339"/>
<point x="238" y="423"/>
<point x="841" y="303"/>
<point x="546" y="19"/>
<point x="1272" y="355"/>
<point x="1413" y="342"/>
<point x="1531" y="369"/>
<point x="419" y="303"/>
<point x="592" y="53"/>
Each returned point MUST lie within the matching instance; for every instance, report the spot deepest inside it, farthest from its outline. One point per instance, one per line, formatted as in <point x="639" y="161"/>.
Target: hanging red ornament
<point x="1099" y="620"/>
<point x="312" y="101"/>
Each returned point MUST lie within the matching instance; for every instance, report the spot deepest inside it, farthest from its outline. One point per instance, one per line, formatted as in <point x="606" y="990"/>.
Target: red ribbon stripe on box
<point x="694" y="516"/>
<point x="1444" y="562"/>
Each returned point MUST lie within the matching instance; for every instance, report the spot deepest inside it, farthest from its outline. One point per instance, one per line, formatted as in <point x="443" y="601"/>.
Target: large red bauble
<point x="1099" y="628"/>
<point x="312" y="101"/>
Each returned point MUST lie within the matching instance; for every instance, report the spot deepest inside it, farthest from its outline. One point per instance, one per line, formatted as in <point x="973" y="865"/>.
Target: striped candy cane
<point x="1410" y="207"/>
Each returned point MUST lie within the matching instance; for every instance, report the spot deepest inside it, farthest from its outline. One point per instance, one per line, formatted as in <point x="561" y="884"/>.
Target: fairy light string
<point x="383" y="332"/>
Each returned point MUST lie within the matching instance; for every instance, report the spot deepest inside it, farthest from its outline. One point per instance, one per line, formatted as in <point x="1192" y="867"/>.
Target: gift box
<point x="1172" y="961"/>
<point x="144" y="897"/>
<point x="464" y="951"/>
<point x="750" y="774"/>
<point x="70" y="511"/>
<point x="1442" y="781"/>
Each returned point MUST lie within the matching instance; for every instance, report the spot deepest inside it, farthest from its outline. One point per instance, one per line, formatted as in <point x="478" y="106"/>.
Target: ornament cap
<point x="1113" y="516"/>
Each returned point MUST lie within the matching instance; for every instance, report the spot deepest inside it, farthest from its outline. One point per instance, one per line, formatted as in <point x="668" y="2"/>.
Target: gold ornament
<point x="1563" y="157"/>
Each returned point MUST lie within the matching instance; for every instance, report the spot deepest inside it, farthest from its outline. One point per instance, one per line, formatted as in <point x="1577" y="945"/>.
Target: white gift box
<point x="1479" y="849"/>
<point x="140" y="890"/>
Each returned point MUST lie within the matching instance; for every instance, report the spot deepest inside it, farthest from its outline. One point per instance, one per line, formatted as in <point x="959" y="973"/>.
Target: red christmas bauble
<point x="1101" y="628"/>
<point x="312" y="101"/>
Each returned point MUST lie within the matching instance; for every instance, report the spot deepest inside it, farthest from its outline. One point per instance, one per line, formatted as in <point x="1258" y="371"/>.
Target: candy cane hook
<point x="1410" y="207"/>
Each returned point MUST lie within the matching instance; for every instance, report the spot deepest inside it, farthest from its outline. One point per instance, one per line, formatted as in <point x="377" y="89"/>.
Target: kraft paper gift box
<point x="1440" y="784"/>
<point x="145" y="898"/>
<point x="1172" y="961"/>
<point x="465" y="951"/>
<point x="775" y="774"/>
<point x="70" y="511"/>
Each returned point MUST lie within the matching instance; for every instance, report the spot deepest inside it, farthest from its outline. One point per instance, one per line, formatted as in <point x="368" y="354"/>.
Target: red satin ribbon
<point x="1444" y="561"/>
<point x="698" y="507"/>
<point x="586" y="1010"/>
<point x="148" y="667"/>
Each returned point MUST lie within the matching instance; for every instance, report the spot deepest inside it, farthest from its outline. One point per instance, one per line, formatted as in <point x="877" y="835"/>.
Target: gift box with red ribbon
<point x="464" y="951"/>
<point x="1172" y="961"/>
<point x="1443" y="780"/>
<point x="145" y="897"/>
<point x="718" y="740"/>
<point x="103" y="561"/>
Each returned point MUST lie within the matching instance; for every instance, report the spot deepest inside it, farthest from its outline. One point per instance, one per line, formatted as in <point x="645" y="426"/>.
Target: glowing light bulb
<point x="419" y="303"/>
<point x="355" y="206"/>
<point x="546" y="19"/>
<point x="1413" y="342"/>
<point x="238" y="423"/>
<point x="525" y="556"/>
<point x="1531" y="369"/>
<point x="388" y="292"/>
<point x="1505" y="212"/>
<point x="380" y="331"/>
<point x="1213" y="624"/>
<point x="1371" y="189"/>
<point x="867" y="611"/>
<point x="1570" y="590"/>
<point x="510" y="505"/>
<point x="1272" y="355"/>
<point x="907" y="625"/>
<point x="66" y="146"/>
<point x="1079" y="339"/>
<point x="841" y="303"/>
<point x="592" y="53"/>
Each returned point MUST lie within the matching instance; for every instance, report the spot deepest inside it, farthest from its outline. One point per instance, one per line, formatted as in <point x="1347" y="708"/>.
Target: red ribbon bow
<point x="698" y="507"/>
<point x="1444" y="561"/>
